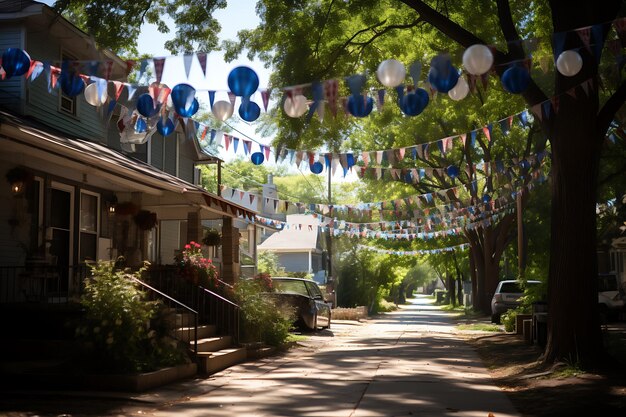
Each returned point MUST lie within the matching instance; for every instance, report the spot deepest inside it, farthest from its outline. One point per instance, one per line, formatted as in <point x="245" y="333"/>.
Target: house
<point x="82" y="182"/>
<point x="299" y="246"/>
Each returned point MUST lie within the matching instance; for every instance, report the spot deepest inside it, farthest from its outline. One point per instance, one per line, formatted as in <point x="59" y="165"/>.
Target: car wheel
<point x="495" y="318"/>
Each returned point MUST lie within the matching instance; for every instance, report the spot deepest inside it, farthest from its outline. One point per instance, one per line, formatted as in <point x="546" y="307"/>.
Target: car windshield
<point x="290" y="286"/>
<point x="511" y="287"/>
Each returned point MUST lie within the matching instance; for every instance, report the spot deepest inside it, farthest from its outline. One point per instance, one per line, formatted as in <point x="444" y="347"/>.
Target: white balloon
<point x="296" y="106"/>
<point x="222" y="110"/>
<point x="460" y="90"/>
<point x="477" y="59"/>
<point x="569" y="63"/>
<point x="170" y="104"/>
<point x="91" y="95"/>
<point x="391" y="73"/>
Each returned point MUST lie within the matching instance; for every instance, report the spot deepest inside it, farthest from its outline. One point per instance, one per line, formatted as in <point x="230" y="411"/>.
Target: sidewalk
<point x="407" y="362"/>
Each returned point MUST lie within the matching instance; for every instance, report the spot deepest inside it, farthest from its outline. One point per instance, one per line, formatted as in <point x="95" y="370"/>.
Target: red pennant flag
<point x="487" y="133"/>
<point x="266" y="151"/>
<point x="130" y="64"/>
<point x="265" y="96"/>
<point x="331" y="88"/>
<point x="251" y="199"/>
<point x="226" y="140"/>
<point x="159" y="64"/>
<point x="108" y="69"/>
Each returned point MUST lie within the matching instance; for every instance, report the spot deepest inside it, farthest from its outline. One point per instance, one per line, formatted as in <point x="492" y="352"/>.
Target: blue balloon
<point x="249" y="111"/>
<point x="414" y="103"/>
<point x="141" y="126"/>
<point x="165" y="128"/>
<point x="243" y="81"/>
<point x="71" y="83"/>
<point x="183" y="98"/>
<point x="524" y="164"/>
<point x="442" y="75"/>
<point x="515" y="80"/>
<point x="360" y="106"/>
<point x="317" y="167"/>
<point x="453" y="171"/>
<point x="193" y="109"/>
<point x="145" y="105"/>
<point x="15" y="62"/>
<point x="486" y="198"/>
<point x="257" y="158"/>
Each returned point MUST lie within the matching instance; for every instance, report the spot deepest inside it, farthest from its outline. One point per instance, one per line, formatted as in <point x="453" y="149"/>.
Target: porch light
<point x="110" y="204"/>
<point x="17" y="187"/>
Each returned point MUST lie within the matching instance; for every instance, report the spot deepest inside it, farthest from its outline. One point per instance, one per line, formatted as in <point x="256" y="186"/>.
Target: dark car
<point x="312" y="311"/>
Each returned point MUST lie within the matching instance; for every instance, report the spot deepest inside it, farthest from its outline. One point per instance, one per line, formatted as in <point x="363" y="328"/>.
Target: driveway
<point x="404" y="363"/>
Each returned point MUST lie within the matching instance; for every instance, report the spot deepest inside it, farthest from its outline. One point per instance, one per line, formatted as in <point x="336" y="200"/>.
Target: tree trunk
<point x="573" y="323"/>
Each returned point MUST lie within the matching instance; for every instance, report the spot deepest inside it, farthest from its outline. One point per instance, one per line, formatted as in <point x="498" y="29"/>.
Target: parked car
<point x="312" y="311"/>
<point x="610" y="296"/>
<point x="506" y="297"/>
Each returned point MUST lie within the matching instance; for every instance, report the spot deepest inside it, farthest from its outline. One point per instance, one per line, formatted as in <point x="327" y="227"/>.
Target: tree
<point x="576" y="131"/>
<point x="117" y="27"/>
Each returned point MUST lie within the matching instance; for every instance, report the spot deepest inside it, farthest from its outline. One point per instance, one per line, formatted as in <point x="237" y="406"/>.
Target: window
<point x="67" y="104"/>
<point x="89" y="216"/>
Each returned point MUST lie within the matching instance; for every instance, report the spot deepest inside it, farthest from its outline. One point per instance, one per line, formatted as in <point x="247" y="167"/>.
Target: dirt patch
<point x="538" y="390"/>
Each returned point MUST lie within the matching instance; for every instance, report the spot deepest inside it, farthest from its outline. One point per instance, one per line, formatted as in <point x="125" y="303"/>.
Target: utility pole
<point x="331" y="282"/>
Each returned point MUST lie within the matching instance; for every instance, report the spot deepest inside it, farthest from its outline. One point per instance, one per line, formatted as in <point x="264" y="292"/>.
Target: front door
<point x="60" y="232"/>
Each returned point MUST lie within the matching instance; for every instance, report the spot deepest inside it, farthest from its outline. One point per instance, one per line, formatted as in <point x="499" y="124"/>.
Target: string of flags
<point x="454" y="248"/>
<point x="413" y="203"/>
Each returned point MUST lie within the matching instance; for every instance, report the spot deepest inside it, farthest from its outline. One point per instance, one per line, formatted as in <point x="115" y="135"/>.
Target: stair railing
<point x="189" y="333"/>
<point x="220" y="311"/>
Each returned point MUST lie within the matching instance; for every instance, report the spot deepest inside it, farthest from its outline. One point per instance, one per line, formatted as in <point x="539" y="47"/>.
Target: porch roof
<point x="116" y="171"/>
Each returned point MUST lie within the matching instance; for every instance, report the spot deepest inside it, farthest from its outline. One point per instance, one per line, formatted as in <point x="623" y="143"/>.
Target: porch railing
<point x="41" y="283"/>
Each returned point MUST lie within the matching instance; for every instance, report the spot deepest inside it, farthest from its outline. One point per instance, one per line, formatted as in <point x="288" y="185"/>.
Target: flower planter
<point x="144" y="381"/>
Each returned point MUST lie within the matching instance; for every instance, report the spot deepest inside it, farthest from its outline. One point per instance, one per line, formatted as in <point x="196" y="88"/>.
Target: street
<point x="404" y="363"/>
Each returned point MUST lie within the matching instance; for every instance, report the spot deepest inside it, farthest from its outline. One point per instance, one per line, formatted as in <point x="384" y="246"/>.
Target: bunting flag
<point x="159" y="64"/>
<point x="188" y="60"/>
<point x="265" y="97"/>
<point x="202" y="61"/>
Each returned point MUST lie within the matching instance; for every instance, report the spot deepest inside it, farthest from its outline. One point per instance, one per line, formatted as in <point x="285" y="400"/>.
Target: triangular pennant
<point x="247" y="146"/>
<point x="266" y="151"/>
<point x="331" y="89"/>
<point x="211" y="97"/>
<point x="159" y="64"/>
<point x="585" y="36"/>
<point x="265" y="97"/>
<point x="487" y="131"/>
<point x="235" y="144"/>
<point x="232" y="97"/>
<point x="188" y="60"/>
<point x="226" y="141"/>
<point x="202" y="61"/>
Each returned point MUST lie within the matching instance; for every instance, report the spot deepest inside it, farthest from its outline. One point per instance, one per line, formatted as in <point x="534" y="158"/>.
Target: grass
<point x="483" y="327"/>
<point x="294" y="338"/>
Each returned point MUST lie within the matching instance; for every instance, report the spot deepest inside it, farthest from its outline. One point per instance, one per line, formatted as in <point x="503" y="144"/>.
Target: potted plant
<point x="145" y="220"/>
<point x="212" y="237"/>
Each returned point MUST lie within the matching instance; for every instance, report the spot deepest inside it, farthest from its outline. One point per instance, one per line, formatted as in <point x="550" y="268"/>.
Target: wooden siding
<point x="44" y="105"/>
<point x="186" y="159"/>
<point x="170" y="154"/>
<point x="11" y="89"/>
<point x="157" y="151"/>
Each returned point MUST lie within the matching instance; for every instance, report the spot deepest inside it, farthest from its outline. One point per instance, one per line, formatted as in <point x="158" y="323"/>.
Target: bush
<point x="261" y="318"/>
<point x="508" y="318"/>
<point x="117" y="324"/>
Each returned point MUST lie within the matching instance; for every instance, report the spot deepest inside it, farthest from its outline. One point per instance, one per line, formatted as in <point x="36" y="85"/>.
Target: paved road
<point x="405" y="363"/>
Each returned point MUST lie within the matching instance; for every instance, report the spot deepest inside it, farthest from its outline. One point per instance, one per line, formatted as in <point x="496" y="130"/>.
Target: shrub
<point x="117" y="324"/>
<point x="508" y="318"/>
<point x="262" y="319"/>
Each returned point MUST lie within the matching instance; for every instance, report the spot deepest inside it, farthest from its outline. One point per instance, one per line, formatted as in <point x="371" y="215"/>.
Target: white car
<point x="610" y="295"/>
<point x="506" y="297"/>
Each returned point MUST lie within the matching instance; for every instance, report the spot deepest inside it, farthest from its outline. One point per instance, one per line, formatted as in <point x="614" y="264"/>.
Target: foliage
<point x="268" y="262"/>
<point x="120" y="324"/>
<point x="298" y="274"/>
<point x="195" y="268"/>
<point x="483" y="327"/>
<point x="118" y="28"/>
<point x="145" y="219"/>
<point x="262" y="319"/>
<point x="508" y="317"/>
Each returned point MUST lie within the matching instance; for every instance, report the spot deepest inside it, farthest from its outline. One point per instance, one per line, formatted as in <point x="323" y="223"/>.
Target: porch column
<point x="230" y="251"/>
<point x="310" y="264"/>
<point x="194" y="227"/>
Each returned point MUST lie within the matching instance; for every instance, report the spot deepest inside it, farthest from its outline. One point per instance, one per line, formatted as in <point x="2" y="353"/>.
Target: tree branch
<point x="612" y="105"/>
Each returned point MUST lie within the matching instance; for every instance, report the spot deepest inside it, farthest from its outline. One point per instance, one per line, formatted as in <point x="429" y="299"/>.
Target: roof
<point x="120" y="169"/>
<point x="299" y="235"/>
<point x="12" y="6"/>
